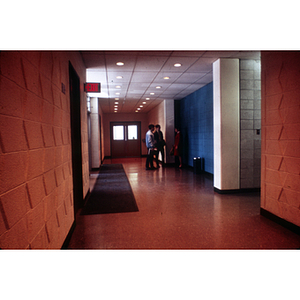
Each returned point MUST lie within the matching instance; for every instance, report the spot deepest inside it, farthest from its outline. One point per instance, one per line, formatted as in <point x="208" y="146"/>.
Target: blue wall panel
<point x="196" y="119"/>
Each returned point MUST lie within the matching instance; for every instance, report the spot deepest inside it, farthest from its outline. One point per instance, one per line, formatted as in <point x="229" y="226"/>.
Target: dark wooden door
<point x="125" y="139"/>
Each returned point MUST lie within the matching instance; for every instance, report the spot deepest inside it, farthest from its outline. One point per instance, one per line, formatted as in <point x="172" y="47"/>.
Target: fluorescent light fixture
<point x="152" y="93"/>
<point x="158" y="87"/>
<point x="119" y="77"/>
<point x="166" y="77"/>
<point x="120" y="63"/>
<point x="177" y="65"/>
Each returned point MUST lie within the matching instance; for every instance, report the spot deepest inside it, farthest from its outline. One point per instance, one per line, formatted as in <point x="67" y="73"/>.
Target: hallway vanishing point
<point x="180" y="210"/>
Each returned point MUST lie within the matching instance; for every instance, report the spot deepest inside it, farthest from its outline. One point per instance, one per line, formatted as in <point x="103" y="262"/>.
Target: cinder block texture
<point x="250" y="97"/>
<point x="35" y="148"/>
<point x="12" y="134"/>
<point x="280" y="181"/>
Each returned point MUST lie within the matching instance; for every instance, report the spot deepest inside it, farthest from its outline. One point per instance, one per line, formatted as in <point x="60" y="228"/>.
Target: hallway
<point x="180" y="210"/>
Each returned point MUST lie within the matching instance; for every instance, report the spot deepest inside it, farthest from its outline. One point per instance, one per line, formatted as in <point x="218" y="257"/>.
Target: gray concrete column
<point x="95" y="134"/>
<point x="226" y="124"/>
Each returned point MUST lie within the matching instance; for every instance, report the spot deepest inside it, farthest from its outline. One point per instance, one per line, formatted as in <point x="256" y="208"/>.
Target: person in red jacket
<point x="178" y="146"/>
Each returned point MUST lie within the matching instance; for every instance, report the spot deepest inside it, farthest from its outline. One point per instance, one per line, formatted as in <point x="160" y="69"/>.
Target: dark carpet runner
<point x="112" y="192"/>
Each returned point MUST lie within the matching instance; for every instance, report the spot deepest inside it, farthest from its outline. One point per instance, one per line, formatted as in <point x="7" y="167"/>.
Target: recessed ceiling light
<point x="116" y="106"/>
<point x="138" y="108"/>
<point x="119" y="77"/>
<point x="144" y="102"/>
<point x="118" y="86"/>
<point x="136" y="111"/>
<point x="141" y="106"/>
<point x="147" y="98"/>
<point x="166" y="77"/>
<point x="152" y="93"/>
<point x="116" y="102"/>
<point x="117" y="93"/>
<point x="177" y="65"/>
<point x="116" y="98"/>
<point x="158" y="87"/>
<point x="120" y="63"/>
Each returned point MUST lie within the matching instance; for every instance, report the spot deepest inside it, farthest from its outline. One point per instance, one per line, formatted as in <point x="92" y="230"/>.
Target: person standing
<point x="177" y="146"/>
<point x="160" y="143"/>
<point x="150" y="144"/>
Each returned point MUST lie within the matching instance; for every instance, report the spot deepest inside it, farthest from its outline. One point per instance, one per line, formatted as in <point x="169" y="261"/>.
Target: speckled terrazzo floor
<point x="180" y="210"/>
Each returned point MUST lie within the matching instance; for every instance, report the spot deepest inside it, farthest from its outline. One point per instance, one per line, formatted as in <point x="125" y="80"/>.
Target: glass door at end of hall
<point x="125" y="139"/>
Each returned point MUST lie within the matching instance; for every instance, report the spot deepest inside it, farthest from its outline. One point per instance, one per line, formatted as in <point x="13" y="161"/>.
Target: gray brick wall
<point x="250" y="97"/>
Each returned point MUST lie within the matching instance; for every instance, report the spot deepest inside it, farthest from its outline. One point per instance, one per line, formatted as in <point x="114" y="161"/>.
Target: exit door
<point x="125" y="139"/>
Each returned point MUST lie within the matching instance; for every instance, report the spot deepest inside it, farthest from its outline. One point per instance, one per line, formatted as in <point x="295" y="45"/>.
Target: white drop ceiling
<point x="143" y="71"/>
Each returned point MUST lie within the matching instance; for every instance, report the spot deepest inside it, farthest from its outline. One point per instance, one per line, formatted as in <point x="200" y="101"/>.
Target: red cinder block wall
<point x="36" y="187"/>
<point x="280" y="113"/>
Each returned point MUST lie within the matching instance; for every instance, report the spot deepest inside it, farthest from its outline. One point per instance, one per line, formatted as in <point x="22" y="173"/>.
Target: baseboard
<point x="235" y="191"/>
<point x="292" y="227"/>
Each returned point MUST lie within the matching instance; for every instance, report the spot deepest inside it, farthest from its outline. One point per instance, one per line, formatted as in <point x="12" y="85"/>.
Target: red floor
<point x="180" y="210"/>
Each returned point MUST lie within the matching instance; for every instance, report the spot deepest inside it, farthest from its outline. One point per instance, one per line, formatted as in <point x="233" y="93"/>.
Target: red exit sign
<point x="92" y="87"/>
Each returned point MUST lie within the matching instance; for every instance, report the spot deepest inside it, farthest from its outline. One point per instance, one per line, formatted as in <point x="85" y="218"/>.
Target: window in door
<point x="132" y="132"/>
<point x="118" y="133"/>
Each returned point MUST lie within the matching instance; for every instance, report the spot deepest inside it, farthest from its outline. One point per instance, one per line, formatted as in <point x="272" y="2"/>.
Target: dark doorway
<point x="76" y="138"/>
<point x="125" y="139"/>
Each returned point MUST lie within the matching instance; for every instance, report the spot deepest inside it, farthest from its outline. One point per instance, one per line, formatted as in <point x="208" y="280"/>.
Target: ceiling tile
<point x="206" y="79"/>
<point x="172" y="75"/>
<point x="143" y="76"/>
<point x="95" y="76"/>
<point x="155" y="53"/>
<point x="112" y="76"/>
<point x="190" y="77"/>
<point x="150" y="63"/>
<point x="93" y="59"/>
<point x="111" y="60"/>
<point x="188" y="53"/>
<point x="202" y="65"/>
<point x="186" y="62"/>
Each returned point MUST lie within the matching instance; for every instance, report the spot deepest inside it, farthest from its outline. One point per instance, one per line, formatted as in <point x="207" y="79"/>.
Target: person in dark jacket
<point x="160" y="144"/>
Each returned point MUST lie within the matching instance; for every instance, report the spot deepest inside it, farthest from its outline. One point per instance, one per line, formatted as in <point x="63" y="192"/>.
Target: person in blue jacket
<point x="150" y="144"/>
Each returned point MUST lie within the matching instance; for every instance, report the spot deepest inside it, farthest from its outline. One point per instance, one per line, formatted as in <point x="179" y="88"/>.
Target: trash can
<point x="197" y="165"/>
